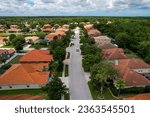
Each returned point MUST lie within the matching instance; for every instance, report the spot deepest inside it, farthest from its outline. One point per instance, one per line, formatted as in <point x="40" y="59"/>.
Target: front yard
<point x="106" y="92"/>
<point x="7" y="46"/>
<point x="24" y="91"/>
<point x="15" y="60"/>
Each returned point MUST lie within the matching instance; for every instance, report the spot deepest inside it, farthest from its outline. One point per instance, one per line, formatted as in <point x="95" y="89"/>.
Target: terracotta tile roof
<point x="33" y="38"/>
<point x="108" y="46"/>
<point x="21" y="97"/>
<point x="94" y="33"/>
<point x="59" y="32"/>
<point x="65" y="26"/>
<point x="25" y="74"/>
<point x="134" y="63"/>
<point x="62" y="29"/>
<point x="1" y="30"/>
<point x="132" y="78"/>
<point x="14" y="26"/>
<point x="2" y="51"/>
<point x="47" y="26"/>
<point x="51" y="36"/>
<point x="2" y="40"/>
<point x="11" y="51"/>
<point x="13" y="30"/>
<point x="37" y="56"/>
<point x="113" y="54"/>
<point x="144" y="96"/>
<point x="47" y="29"/>
<point x="88" y="26"/>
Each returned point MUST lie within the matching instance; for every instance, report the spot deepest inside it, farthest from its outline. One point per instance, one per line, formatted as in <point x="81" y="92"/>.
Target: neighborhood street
<point x="78" y="86"/>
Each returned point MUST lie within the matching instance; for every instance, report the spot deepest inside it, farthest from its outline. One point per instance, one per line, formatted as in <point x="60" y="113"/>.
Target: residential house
<point x="113" y="54"/>
<point x="37" y="56"/>
<point x="14" y="26"/>
<point x="108" y="46"/>
<point x="62" y="29"/>
<point x="47" y="28"/>
<point x="104" y="42"/>
<point x="50" y="37"/>
<point x="1" y="30"/>
<point x="65" y="26"/>
<point x="5" y="54"/>
<point x="31" y="39"/>
<point x="88" y="27"/>
<point x="132" y="78"/>
<point x="25" y="76"/>
<point x="14" y="29"/>
<point x="136" y="65"/>
<point x="3" y="40"/>
<point x="94" y="33"/>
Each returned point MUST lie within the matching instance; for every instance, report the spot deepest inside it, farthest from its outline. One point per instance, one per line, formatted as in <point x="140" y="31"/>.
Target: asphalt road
<point x="79" y="89"/>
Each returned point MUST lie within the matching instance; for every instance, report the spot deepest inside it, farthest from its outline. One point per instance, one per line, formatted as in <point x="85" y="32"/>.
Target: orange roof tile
<point x="59" y="32"/>
<point x="131" y="77"/>
<point x="113" y="54"/>
<point x="51" y="36"/>
<point x="11" y="51"/>
<point x="25" y="74"/>
<point x="47" y="29"/>
<point x="88" y="26"/>
<point x="62" y="29"/>
<point x="35" y="56"/>
<point x="47" y="26"/>
<point x="134" y="63"/>
<point x="94" y="33"/>
<point x="2" y="51"/>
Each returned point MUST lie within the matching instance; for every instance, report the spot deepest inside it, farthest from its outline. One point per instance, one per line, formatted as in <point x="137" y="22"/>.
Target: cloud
<point x="58" y="7"/>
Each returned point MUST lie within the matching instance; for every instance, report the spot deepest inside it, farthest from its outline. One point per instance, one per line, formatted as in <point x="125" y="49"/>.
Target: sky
<point x="74" y="7"/>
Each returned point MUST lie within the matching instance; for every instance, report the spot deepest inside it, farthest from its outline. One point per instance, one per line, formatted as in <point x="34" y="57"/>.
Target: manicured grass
<point x="24" y="91"/>
<point x="67" y="96"/>
<point x="17" y="34"/>
<point x="38" y="46"/>
<point x="15" y="60"/>
<point x="67" y="71"/>
<point x="93" y="92"/>
<point x="9" y="46"/>
<point x="96" y="96"/>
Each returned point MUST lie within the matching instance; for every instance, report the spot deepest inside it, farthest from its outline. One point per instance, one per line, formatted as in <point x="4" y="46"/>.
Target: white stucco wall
<point x="142" y="71"/>
<point x="13" y="87"/>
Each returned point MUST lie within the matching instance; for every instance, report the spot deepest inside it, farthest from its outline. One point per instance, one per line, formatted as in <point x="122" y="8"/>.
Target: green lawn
<point x="15" y="60"/>
<point x="67" y="96"/>
<point x="38" y="46"/>
<point x="96" y="96"/>
<point x="17" y="34"/>
<point x="67" y="71"/>
<point x="9" y="46"/>
<point x="24" y="91"/>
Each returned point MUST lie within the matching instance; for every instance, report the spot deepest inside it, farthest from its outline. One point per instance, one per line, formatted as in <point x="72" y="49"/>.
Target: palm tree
<point x="120" y="84"/>
<point x="101" y="78"/>
<point x="102" y="72"/>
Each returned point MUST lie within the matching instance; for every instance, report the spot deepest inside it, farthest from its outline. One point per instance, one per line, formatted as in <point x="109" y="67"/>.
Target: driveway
<point x="78" y="86"/>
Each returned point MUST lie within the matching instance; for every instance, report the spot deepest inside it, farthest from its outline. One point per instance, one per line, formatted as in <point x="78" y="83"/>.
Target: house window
<point x="28" y="86"/>
<point x="10" y="87"/>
